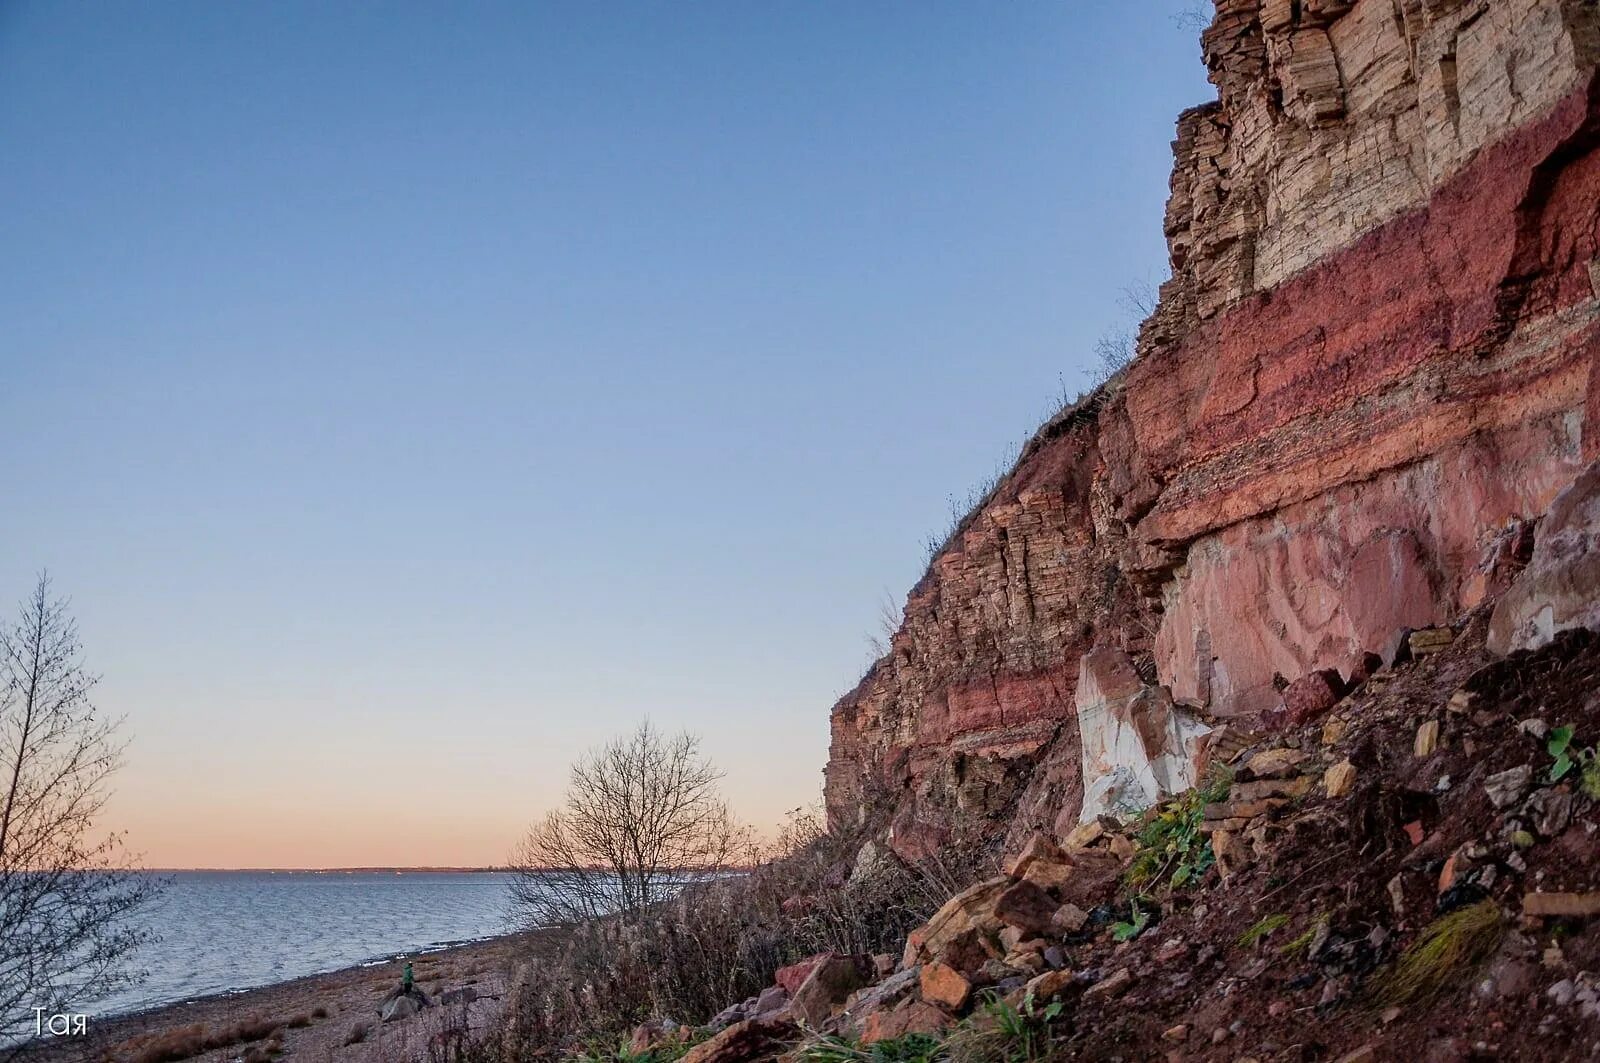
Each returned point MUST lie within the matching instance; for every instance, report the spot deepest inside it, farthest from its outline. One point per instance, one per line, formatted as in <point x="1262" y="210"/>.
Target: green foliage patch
<point x="1172" y="848"/>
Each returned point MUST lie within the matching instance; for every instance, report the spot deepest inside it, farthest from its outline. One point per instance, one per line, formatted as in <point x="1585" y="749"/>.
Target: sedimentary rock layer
<point x="1379" y="353"/>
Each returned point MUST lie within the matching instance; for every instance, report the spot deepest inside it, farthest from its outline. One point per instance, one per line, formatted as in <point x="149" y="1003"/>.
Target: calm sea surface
<point x="223" y="930"/>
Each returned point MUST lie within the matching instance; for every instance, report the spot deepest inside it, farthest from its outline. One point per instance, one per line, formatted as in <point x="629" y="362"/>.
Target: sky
<point x="412" y="396"/>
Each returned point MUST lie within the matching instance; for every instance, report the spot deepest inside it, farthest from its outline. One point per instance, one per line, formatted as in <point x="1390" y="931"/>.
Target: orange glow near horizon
<point x="327" y="814"/>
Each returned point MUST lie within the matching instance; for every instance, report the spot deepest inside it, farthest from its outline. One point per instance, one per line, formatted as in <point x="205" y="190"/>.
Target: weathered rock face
<point x="1560" y="589"/>
<point x="1379" y="352"/>
<point x="1138" y="747"/>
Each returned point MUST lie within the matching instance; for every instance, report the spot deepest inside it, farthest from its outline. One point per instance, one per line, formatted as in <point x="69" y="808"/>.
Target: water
<point x="227" y="930"/>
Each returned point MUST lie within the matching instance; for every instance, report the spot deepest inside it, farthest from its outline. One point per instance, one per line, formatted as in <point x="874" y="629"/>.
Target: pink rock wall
<point x="1324" y="435"/>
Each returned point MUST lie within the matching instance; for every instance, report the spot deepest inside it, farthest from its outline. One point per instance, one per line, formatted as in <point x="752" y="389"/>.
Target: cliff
<point x="1373" y="368"/>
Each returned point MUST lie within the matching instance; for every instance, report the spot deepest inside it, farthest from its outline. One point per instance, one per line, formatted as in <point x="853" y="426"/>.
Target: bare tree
<point x="1118" y="347"/>
<point x="66" y="888"/>
<point x="1195" y="16"/>
<point x="642" y="819"/>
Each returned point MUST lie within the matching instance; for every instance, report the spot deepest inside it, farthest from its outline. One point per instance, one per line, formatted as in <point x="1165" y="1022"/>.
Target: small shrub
<point x="319" y="1013"/>
<point x="1567" y="757"/>
<point x="1172" y="847"/>
<point x="621" y="1052"/>
<point x="1001" y="1033"/>
<point x="1447" y="950"/>
<point x="189" y="1041"/>
<point x="1135" y="924"/>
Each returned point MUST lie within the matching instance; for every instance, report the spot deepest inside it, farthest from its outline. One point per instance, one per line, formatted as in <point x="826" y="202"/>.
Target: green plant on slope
<point x="1448" y="949"/>
<point x="1004" y="1033"/>
<point x="1567" y="756"/>
<point x="1262" y="930"/>
<point x="1135" y="924"/>
<point x="1173" y="845"/>
<point x="1303" y="942"/>
<point x="601" y="1052"/>
<point x="910" y="1048"/>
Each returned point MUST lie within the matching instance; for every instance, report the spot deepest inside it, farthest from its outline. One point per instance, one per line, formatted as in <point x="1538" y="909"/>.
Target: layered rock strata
<point x="1377" y="361"/>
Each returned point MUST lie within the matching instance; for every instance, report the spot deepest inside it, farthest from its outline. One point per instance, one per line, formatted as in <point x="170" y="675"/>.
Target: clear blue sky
<point x="412" y="395"/>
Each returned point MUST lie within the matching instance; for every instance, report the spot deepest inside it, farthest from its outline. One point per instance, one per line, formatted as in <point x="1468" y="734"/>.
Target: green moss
<point x="1262" y="930"/>
<point x="1303" y="942"/>
<point x="1447" y="950"/>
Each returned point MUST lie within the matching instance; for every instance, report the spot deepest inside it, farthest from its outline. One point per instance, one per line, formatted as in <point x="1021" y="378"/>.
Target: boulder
<point x="1561" y="905"/>
<point x="909" y="1017"/>
<point x="1112" y="985"/>
<point x="1430" y="640"/>
<point x="1138" y="745"/>
<point x="1427" y="739"/>
<point x="771" y="1000"/>
<point x="1049" y="985"/>
<point x="792" y="977"/>
<point x="873" y="862"/>
<point x="1048" y="874"/>
<point x="1506" y="788"/>
<point x="879" y="998"/>
<point x="1274" y="764"/>
<point x="1557" y="589"/>
<point x="1232" y="854"/>
<point x="830" y="983"/>
<point x="1039" y="847"/>
<point x="972" y="907"/>
<point x="1339" y="779"/>
<point x="1068" y="919"/>
<point x="1026" y="907"/>
<point x="1085" y="835"/>
<point x="1312" y="696"/>
<point x="945" y="987"/>
<point x="744" y="1041"/>
<point x="967" y="950"/>
<point x="402" y="1005"/>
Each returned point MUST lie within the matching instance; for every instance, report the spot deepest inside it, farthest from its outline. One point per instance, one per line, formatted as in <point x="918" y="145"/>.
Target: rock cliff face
<point x="1377" y="359"/>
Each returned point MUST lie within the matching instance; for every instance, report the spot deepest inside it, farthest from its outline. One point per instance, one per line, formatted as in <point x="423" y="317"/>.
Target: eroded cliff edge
<point x="1374" y="365"/>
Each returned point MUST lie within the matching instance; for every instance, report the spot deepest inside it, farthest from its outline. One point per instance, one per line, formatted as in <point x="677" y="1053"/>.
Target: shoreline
<point x="317" y="1016"/>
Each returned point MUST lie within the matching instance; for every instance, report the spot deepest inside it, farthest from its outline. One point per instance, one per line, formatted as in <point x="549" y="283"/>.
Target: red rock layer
<point x="1284" y="477"/>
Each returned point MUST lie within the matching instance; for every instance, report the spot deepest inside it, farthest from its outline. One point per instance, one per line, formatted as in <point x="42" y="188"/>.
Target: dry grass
<point x="264" y="1053"/>
<point x="186" y="1042"/>
<point x="1448" y="949"/>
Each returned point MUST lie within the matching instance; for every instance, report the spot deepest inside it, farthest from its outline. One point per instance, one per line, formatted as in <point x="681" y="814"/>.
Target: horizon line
<point x="397" y="868"/>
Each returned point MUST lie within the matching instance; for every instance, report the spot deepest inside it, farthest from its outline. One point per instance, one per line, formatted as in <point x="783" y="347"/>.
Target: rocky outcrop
<point x="1377" y="362"/>
<point x="1138" y="747"/>
<point x="1560" y="589"/>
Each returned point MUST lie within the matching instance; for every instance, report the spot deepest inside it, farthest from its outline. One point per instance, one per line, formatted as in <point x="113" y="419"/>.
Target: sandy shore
<point x="319" y="1018"/>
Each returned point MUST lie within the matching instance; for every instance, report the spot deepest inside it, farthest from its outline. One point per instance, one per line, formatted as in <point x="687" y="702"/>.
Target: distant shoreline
<point x="348" y="995"/>
<point x="327" y="870"/>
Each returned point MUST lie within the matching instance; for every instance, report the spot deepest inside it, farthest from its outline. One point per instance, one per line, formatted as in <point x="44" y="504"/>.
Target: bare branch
<point x="66" y="889"/>
<point x="643" y="818"/>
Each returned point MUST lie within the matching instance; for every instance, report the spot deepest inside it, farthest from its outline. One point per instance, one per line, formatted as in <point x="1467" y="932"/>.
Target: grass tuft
<point x="1448" y="949"/>
<point x="1262" y="930"/>
<point x="1303" y="942"/>
<point x="911" y="1048"/>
